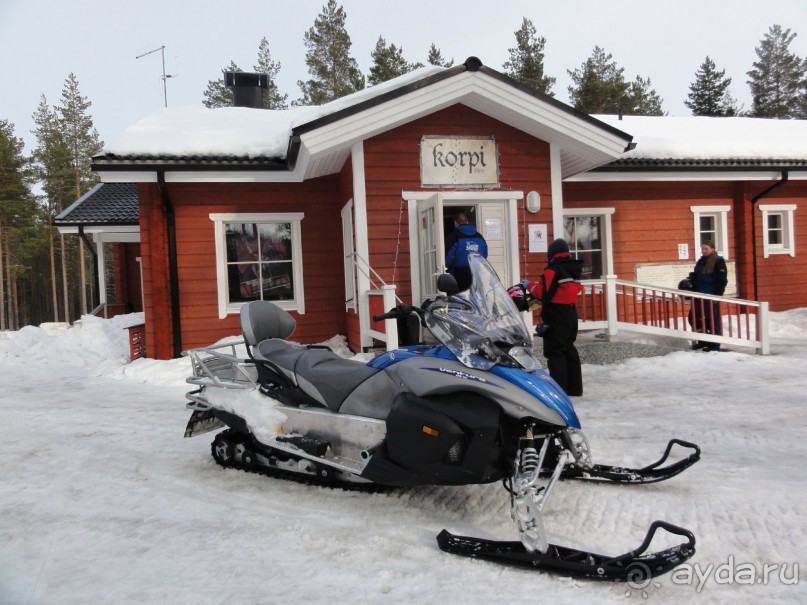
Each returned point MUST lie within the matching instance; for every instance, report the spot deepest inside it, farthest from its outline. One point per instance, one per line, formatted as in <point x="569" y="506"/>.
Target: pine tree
<point x="709" y="93"/>
<point x="217" y="94"/>
<point x="272" y="99"/>
<point x="777" y="80"/>
<point x="643" y="100"/>
<point x="14" y="194"/>
<point x="334" y="72"/>
<point x="526" y="62"/>
<point x="53" y="170"/>
<point x="388" y="63"/>
<point x="80" y="135"/>
<point x="599" y="86"/>
<point x="83" y="142"/>
<point x="436" y="57"/>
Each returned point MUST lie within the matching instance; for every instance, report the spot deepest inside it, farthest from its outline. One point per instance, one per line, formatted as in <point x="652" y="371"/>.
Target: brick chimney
<point x="247" y="88"/>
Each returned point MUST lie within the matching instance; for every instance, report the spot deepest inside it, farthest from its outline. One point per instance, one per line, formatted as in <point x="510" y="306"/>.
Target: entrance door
<point x="431" y="247"/>
<point x="492" y="223"/>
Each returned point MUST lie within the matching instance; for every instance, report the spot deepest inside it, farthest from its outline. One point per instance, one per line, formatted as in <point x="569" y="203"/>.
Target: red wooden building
<point x="319" y="208"/>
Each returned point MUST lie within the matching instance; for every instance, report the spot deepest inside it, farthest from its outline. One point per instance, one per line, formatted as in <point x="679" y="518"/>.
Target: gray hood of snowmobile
<point x="430" y="376"/>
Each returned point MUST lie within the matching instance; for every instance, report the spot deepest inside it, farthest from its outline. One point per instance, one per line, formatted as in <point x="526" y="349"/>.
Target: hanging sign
<point x="452" y="161"/>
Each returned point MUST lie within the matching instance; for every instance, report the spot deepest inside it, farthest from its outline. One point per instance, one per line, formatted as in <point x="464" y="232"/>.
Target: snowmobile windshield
<point x="482" y="326"/>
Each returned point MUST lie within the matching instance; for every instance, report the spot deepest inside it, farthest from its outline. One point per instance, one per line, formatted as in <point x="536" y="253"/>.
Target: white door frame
<point x="461" y="197"/>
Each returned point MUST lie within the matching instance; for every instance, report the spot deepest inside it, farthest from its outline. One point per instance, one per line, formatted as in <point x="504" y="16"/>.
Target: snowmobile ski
<point x="633" y="566"/>
<point x="652" y="473"/>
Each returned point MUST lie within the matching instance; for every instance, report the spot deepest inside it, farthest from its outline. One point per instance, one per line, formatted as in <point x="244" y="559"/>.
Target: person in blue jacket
<point x="709" y="277"/>
<point x="461" y="242"/>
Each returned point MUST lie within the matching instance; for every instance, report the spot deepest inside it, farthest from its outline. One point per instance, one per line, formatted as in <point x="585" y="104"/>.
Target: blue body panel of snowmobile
<point x="537" y="383"/>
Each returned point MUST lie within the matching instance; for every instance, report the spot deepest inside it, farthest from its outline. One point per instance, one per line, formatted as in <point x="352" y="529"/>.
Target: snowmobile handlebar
<point x="400" y="311"/>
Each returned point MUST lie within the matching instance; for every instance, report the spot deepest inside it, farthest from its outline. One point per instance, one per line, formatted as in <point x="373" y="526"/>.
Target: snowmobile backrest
<point x="261" y="320"/>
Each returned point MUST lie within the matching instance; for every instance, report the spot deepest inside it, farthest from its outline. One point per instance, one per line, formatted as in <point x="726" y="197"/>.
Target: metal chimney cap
<point x="246" y="79"/>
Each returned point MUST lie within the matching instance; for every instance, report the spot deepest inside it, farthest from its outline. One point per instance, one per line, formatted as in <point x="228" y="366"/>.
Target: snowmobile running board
<point x="633" y="566"/>
<point x="648" y="474"/>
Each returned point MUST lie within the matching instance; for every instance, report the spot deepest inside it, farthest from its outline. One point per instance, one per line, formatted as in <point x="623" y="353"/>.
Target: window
<point x="258" y="257"/>
<point x="588" y="233"/>
<point x="711" y="223"/>
<point x="777" y="230"/>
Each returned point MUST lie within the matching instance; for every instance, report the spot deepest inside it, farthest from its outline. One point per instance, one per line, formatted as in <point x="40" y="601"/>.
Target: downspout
<point x="94" y="254"/>
<point x="173" y="271"/>
<point x="754" y="201"/>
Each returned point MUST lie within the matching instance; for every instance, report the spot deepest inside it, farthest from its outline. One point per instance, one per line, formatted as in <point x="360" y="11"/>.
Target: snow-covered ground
<point x="103" y="501"/>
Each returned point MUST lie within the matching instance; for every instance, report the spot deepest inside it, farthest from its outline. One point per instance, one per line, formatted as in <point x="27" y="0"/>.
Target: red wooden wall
<point x="319" y="199"/>
<point x="651" y="218"/>
<point x="392" y="165"/>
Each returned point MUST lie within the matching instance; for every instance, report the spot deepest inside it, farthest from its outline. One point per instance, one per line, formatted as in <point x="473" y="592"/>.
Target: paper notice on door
<point x="493" y="229"/>
<point x="537" y="238"/>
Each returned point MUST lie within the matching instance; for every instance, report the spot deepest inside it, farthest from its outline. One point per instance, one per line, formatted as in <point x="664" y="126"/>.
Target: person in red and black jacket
<point x="557" y="291"/>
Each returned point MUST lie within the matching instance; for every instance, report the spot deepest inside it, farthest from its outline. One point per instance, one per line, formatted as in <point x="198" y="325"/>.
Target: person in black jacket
<point x="709" y="277"/>
<point x="461" y="242"/>
<point x="557" y="291"/>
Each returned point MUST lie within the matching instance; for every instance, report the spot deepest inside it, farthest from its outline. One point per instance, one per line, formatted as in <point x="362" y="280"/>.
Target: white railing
<point x="612" y="304"/>
<point x="388" y="300"/>
<point x="381" y="298"/>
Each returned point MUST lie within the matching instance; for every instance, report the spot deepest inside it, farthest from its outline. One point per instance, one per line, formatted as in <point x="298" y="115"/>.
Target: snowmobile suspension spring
<point x="529" y="459"/>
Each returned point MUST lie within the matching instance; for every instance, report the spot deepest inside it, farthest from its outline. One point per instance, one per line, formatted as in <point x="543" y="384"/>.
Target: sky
<point x="103" y="501"/>
<point x="43" y="41"/>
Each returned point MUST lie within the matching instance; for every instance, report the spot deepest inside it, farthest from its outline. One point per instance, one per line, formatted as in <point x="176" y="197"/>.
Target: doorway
<point x="432" y="219"/>
<point x="490" y="220"/>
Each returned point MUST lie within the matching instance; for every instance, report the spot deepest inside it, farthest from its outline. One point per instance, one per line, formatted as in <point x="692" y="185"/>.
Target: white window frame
<point x="295" y="219"/>
<point x="721" y="214"/>
<point x="788" y="246"/>
<point x="606" y="237"/>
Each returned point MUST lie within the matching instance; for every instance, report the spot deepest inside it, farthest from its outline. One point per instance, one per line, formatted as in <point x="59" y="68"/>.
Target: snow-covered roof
<point x="260" y="139"/>
<point x="703" y="138"/>
<point x="236" y="131"/>
<point x="195" y="144"/>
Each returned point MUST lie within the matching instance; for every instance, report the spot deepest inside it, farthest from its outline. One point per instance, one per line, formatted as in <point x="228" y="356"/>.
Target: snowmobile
<point x="474" y="409"/>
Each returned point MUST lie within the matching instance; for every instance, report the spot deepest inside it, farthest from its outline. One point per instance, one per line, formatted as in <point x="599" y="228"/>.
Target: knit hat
<point x="558" y="246"/>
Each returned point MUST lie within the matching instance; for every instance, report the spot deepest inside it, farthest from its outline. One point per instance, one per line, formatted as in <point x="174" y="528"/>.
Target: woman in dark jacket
<point x="709" y="277"/>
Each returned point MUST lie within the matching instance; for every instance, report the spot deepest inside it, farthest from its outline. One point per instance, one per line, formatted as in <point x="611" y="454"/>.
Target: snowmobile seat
<point x="322" y="375"/>
<point x="329" y="378"/>
<point x="261" y="320"/>
<point x="264" y="325"/>
<point x="319" y="373"/>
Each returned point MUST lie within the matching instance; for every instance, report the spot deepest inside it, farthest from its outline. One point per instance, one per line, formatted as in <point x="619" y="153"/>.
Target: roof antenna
<point x="162" y="52"/>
